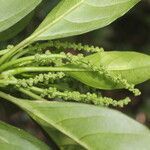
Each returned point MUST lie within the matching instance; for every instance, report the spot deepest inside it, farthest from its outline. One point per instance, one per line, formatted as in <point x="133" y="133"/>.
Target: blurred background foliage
<point x="131" y="32"/>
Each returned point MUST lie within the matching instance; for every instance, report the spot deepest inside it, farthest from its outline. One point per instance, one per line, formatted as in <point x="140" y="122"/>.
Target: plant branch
<point x="2" y="52"/>
<point x="9" y="98"/>
<point x="30" y="59"/>
<point x="42" y="69"/>
<point x="15" y="49"/>
<point x="31" y="94"/>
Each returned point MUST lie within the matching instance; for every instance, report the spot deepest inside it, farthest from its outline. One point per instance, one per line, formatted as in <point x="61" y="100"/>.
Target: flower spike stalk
<point x="38" y="71"/>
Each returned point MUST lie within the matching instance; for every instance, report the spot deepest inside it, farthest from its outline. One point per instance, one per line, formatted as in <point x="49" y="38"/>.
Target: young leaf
<point x="13" y="11"/>
<point x="132" y="66"/>
<point x="90" y="126"/>
<point x="79" y="16"/>
<point x="17" y="139"/>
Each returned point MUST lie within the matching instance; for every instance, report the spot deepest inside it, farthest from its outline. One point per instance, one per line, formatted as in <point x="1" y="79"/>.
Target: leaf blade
<point x="18" y="139"/>
<point x="78" y="121"/>
<point x="132" y="66"/>
<point x="13" y="11"/>
<point x="80" y="16"/>
<point x="15" y="29"/>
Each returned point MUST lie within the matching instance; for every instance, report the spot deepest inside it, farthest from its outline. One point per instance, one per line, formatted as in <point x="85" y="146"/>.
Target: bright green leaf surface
<point x="73" y="17"/>
<point x="91" y="127"/>
<point x="132" y="66"/>
<point x="63" y="141"/>
<point x="11" y="11"/>
<point x="12" y="138"/>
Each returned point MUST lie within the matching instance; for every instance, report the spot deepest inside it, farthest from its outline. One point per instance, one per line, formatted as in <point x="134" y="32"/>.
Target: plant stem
<point x="9" y="97"/>
<point x="2" y="52"/>
<point x="29" y="49"/>
<point x="31" y="94"/>
<point x="15" y="49"/>
<point x="7" y="82"/>
<point x="12" y="99"/>
<point x="40" y="90"/>
<point x="42" y="69"/>
<point x="37" y="90"/>
<point x="21" y="53"/>
<point x="29" y="58"/>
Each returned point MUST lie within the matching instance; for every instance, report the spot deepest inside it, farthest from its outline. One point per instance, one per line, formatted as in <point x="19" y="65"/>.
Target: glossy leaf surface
<point x="132" y="66"/>
<point x="16" y="139"/>
<point x="74" y="17"/>
<point x="11" y="11"/>
<point x="90" y="126"/>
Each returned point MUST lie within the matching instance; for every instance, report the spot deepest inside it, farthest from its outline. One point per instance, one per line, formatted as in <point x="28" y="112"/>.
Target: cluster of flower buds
<point x="67" y="45"/>
<point x="74" y="46"/>
<point x="47" y="61"/>
<point x="41" y="78"/>
<point x="85" y="98"/>
<point x="79" y="59"/>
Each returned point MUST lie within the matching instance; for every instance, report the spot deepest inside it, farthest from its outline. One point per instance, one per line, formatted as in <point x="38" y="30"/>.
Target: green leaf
<point x="13" y="11"/>
<point x="75" y="17"/>
<point x="90" y="126"/>
<point x="63" y="141"/>
<point x="132" y="66"/>
<point x="15" y="29"/>
<point x="16" y="139"/>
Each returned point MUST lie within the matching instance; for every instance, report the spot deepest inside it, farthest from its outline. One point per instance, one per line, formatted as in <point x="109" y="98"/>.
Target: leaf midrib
<point x="128" y="69"/>
<point x="55" y="21"/>
<point x="97" y="19"/>
<point x="60" y="129"/>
